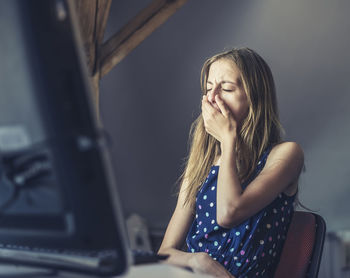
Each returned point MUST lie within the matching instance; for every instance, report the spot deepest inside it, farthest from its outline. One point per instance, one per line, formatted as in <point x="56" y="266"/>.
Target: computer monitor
<point x="57" y="189"/>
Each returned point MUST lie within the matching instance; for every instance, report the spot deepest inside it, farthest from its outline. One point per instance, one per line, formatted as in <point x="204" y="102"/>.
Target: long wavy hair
<point x="259" y="130"/>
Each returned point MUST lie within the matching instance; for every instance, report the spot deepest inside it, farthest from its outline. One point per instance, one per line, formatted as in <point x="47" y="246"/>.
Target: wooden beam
<point x="102" y="12"/>
<point x="86" y="11"/>
<point x="93" y="15"/>
<point x="103" y="8"/>
<point x="133" y="33"/>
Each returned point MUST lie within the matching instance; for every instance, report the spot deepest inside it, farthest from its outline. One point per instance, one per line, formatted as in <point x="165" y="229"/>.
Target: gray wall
<point x="150" y="99"/>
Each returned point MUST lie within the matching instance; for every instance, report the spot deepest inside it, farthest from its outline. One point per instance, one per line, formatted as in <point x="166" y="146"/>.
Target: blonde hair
<point x="259" y="130"/>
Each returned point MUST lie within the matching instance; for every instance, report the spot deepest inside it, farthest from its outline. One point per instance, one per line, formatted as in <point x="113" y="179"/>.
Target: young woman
<point x="235" y="219"/>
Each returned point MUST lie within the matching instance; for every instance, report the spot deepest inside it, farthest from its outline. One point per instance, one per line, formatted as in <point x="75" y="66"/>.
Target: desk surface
<point x="160" y="271"/>
<point x="140" y="271"/>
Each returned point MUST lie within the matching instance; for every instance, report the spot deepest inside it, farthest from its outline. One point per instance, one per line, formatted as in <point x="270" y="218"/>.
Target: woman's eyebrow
<point x="223" y="82"/>
<point x="231" y="82"/>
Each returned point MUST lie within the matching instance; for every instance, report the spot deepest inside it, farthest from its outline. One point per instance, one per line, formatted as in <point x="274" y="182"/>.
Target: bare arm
<point x="176" y="232"/>
<point x="281" y="171"/>
<point x="175" y="236"/>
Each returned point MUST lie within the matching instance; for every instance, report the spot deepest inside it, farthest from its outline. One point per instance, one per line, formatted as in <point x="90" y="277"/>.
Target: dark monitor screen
<point x="56" y="184"/>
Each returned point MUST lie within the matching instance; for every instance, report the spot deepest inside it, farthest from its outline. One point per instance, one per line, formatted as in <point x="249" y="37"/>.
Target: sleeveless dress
<point x="250" y="249"/>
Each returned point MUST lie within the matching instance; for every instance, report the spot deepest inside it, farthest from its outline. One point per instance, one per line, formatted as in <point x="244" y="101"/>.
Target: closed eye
<point x="228" y="88"/>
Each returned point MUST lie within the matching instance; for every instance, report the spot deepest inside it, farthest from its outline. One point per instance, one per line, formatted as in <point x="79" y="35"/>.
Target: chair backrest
<point x="302" y="251"/>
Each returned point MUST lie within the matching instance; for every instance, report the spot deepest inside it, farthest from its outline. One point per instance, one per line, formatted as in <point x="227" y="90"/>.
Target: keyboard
<point x="75" y="260"/>
<point x="97" y="262"/>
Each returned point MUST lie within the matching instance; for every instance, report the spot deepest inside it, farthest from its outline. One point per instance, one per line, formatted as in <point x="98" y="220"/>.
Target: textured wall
<point x="150" y="99"/>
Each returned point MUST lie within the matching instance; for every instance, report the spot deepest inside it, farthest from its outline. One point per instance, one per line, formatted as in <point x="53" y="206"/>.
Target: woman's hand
<point x="220" y="124"/>
<point x="203" y="263"/>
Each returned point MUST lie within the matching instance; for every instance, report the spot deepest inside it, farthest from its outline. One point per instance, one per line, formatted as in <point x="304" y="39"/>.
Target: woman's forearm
<point x="198" y="262"/>
<point x="176" y="256"/>
<point x="229" y="188"/>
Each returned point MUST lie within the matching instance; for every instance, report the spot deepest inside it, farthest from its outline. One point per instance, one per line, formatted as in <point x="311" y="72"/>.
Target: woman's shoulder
<point x="292" y="156"/>
<point x="287" y="150"/>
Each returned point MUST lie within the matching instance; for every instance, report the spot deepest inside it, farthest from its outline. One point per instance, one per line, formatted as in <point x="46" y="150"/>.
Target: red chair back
<point x="302" y="249"/>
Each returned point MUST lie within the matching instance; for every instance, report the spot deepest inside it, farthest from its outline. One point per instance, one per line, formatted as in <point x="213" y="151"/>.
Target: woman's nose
<point x="212" y="93"/>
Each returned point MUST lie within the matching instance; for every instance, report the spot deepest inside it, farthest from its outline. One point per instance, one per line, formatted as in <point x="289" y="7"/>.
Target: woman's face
<point x="224" y="79"/>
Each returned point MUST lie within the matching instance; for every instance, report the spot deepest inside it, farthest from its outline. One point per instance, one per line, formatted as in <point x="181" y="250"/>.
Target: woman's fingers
<point x="212" y="118"/>
<point x="223" y="108"/>
<point x="202" y="263"/>
<point x="206" y="105"/>
<point x="208" y="113"/>
<point x="218" y="120"/>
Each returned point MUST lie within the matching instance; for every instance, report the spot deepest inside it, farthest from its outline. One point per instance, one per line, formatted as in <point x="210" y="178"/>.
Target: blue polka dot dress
<point x="251" y="249"/>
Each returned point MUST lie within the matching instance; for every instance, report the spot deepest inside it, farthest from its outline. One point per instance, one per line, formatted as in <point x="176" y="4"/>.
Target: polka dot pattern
<point x="252" y="248"/>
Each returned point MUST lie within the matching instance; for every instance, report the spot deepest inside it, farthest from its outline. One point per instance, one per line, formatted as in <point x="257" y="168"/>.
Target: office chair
<point x="302" y="251"/>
